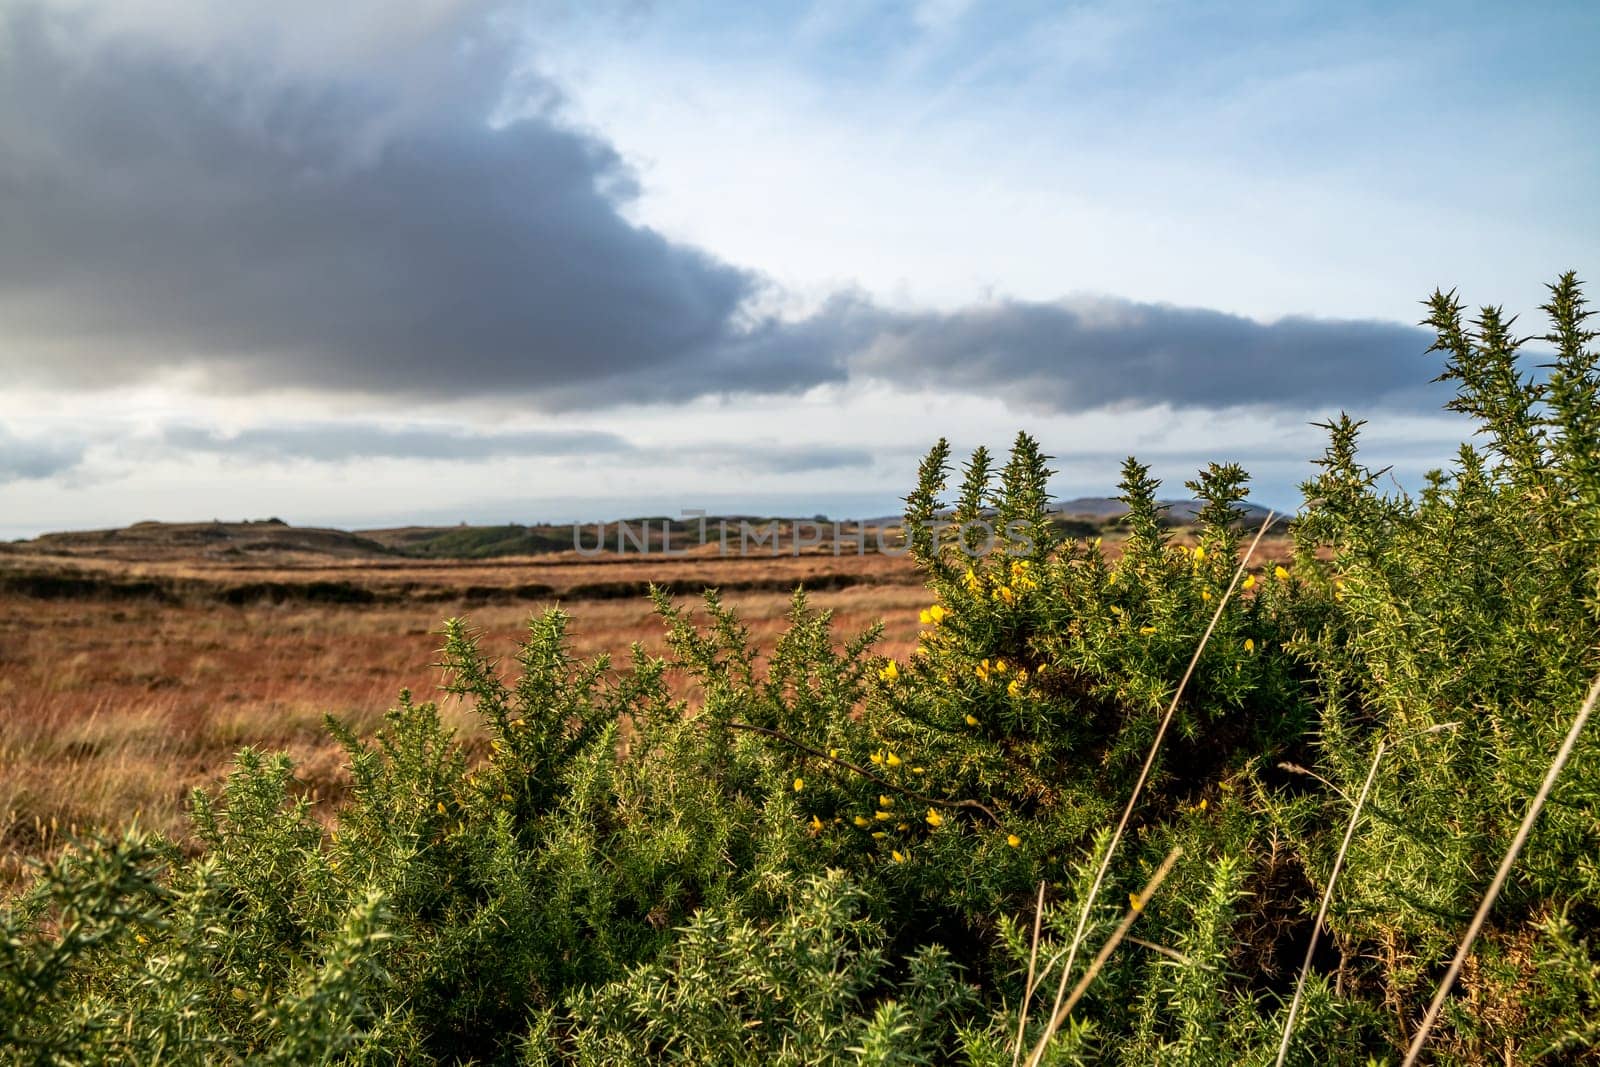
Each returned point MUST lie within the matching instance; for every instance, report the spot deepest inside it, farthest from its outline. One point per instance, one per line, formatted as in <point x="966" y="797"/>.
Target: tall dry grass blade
<point x="1027" y="989"/>
<point x="1104" y="954"/>
<point x="1327" y="898"/>
<point x="1523" y="831"/>
<point x="1149" y="761"/>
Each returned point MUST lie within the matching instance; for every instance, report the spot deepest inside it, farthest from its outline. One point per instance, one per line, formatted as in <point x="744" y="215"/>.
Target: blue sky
<point x="456" y="260"/>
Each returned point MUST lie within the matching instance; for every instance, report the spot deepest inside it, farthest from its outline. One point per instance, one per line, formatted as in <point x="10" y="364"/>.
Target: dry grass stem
<point x="1027" y="993"/>
<point x="1327" y="898"/>
<point x="1099" y="961"/>
<point x="1528" y="819"/>
<point x="1150" y="758"/>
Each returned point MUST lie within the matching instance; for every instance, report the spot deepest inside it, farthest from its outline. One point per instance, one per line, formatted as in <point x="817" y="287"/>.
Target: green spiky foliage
<point x="819" y="855"/>
<point x="1463" y="634"/>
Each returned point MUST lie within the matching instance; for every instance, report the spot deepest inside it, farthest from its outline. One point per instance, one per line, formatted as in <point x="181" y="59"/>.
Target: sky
<point x="365" y="264"/>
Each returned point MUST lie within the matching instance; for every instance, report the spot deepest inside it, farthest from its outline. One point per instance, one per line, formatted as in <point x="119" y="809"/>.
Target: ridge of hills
<point x="265" y="539"/>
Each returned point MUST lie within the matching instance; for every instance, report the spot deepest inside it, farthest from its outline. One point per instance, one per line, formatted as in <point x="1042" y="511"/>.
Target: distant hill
<point x="473" y="542"/>
<point x="267" y="537"/>
<point x="270" y="541"/>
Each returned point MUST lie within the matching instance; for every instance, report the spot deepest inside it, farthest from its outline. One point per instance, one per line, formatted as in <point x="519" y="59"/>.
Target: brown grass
<point x="130" y="677"/>
<point x="113" y="708"/>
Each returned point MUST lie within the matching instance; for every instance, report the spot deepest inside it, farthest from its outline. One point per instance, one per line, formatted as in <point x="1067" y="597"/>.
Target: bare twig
<point x="921" y="798"/>
<point x="1500" y="876"/>
<point x="1170" y="953"/>
<point x="1149" y="761"/>
<point x="1295" y="768"/>
<point x="1104" y="954"/>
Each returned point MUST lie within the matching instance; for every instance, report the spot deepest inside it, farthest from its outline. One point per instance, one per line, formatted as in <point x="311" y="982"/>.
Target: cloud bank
<point x="317" y="223"/>
<point x="350" y="441"/>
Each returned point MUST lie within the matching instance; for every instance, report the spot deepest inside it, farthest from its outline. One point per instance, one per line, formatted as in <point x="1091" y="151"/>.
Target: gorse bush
<point x="830" y="857"/>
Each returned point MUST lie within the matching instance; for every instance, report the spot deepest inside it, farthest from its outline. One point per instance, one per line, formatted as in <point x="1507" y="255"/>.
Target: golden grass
<point x="112" y="711"/>
<point x="114" y="707"/>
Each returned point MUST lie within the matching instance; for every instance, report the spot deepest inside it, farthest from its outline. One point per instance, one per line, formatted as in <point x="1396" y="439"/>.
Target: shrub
<point x="827" y="856"/>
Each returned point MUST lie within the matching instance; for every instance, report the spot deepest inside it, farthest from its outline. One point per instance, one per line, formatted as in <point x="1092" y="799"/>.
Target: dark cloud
<point x="1104" y="352"/>
<point x="22" y="458"/>
<point x="163" y="212"/>
<point x="167" y="215"/>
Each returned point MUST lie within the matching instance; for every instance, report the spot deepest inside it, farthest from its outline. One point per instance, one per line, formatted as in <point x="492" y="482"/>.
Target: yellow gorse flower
<point x="1199" y="553"/>
<point x="934" y="818"/>
<point x="1147" y="630"/>
<point x="925" y="617"/>
<point x="1134" y="902"/>
<point x="799" y="784"/>
<point x="892" y="760"/>
<point x="1013" y="840"/>
<point x="973" y="582"/>
<point x="1015" y="688"/>
<point x="862" y="820"/>
<point x="883" y="816"/>
<point x="879" y="835"/>
<point x="1205" y="594"/>
<point x="816" y="825"/>
<point x="937" y="613"/>
<point x="1279" y="572"/>
<point x="890" y="671"/>
<point x="1249" y="644"/>
<point x="972" y="720"/>
<point x="898" y="858"/>
<point x="876" y="757"/>
<point x="885" y="800"/>
<point x="1249" y="581"/>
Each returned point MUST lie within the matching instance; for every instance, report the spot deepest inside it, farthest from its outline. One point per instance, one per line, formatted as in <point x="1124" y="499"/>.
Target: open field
<point x="126" y="684"/>
<point x="131" y="672"/>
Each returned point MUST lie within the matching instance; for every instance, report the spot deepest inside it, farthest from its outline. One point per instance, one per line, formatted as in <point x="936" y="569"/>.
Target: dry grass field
<point x="125" y="683"/>
<point x="132" y="671"/>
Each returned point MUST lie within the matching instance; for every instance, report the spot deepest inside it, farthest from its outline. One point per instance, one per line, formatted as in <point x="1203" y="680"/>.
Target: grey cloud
<point x="163" y="215"/>
<point x="772" y="458"/>
<point x="24" y="458"/>
<point x="1074" y="355"/>
<point x="342" y="442"/>
<point x="186" y="212"/>
<point x="339" y="442"/>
